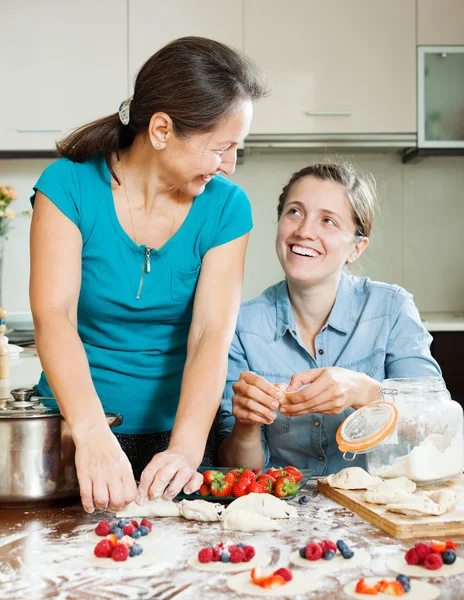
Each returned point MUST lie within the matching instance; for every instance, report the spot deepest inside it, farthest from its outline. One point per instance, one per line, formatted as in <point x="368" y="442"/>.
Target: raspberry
<point x="120" y="553"/>
<point x="237" y="555"/>
<point x="216" y="554"/>
<point x="313" y="552"/>
<point x="103" y="549"/>
<point x="411" y="557"/>
<point x="146" y="523"/>
<point x="134" y="523"/>
<point x="284" y="573"/>
<point x="128" y="529"/>
<point x="249" y="552"/>
<point x="205" y="555"/>
<point x="422" y="550"/>
<point x="103" y="528"/>
<point x="433" y="561"/>
<point x="327" y="545"/>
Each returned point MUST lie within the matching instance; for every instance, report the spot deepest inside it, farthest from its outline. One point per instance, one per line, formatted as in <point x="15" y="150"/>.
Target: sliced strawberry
<point x="363" y="588"/>
<point x="258" y="575"/>
<point x="394" y="588"/>
<point x="273" y="581"/>
<point x="450" y="545"/>
<point x="438" y="546"/>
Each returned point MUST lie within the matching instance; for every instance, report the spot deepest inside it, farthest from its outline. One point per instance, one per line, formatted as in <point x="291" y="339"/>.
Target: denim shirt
<point x="373" y="328"/>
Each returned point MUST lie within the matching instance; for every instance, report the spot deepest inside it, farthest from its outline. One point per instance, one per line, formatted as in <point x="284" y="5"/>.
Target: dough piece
<point x="361" y="557"/>
<point x="149" y="556"/>
<point x="161" y="507"/>
<point x="260" y="559"/>
<point x="398" y="564"/>
<point x="352" y="478"/>
<point x="416" y="506"/>
<point x="419" y="589"/>
<point x="300" y="584"/>
<point x="390" y="491"/>
<point x="446" y="498"/>
<point x="264" y="505"/>
<point x="244" y="520"/>
<point x="201" y="510"/>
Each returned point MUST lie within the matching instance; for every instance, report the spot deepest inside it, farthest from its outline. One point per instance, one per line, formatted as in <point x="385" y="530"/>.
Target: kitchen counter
<point x="42" y="555"/>
<point x="447" y="321"/>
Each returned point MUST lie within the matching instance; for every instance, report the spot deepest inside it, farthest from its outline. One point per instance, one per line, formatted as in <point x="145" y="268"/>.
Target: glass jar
<point x="416" y="432"/>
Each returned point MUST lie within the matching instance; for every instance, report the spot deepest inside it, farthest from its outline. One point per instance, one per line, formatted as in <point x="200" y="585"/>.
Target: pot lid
<point x="23" y="404"/>
<point x="366" y="427"/>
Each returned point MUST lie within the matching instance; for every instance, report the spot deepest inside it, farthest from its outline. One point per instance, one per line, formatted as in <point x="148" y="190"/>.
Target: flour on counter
<point x="438" y="457"/>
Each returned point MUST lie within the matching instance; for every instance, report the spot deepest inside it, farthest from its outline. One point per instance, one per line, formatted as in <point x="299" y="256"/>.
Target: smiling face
<point x="316" y="233"/>
<point x="190" y="163"/>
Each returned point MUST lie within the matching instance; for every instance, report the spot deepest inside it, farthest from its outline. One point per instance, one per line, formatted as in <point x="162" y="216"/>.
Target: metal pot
<point x="36" y="451"/>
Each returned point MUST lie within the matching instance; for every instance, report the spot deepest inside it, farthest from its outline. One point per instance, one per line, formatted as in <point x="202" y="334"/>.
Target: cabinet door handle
<point x="328" y="113"/>
<point x="19" y="130"/>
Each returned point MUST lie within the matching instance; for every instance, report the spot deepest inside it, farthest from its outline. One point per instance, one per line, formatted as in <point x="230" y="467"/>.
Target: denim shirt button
<point x="293" y="332"/>
<point x="321" y="351"/>
<point x="321" y="458"/>
<point x="317" y="423"/>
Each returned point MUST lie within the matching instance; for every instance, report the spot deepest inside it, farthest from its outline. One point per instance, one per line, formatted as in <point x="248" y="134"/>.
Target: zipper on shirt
<point x="145" y="269"/>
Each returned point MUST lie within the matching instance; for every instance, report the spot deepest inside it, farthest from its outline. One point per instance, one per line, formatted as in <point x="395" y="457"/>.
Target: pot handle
<point x="114" y="419"/>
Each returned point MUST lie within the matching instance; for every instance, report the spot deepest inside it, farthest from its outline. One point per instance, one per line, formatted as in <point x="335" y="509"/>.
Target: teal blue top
<point x="135" y="305"/>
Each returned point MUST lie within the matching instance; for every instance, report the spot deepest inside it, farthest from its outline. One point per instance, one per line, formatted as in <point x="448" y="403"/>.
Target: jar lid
<point x="23" y="404"/>
<point x="366" y="427"/>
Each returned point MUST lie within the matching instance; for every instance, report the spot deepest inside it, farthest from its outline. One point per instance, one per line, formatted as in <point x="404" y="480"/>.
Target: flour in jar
<point x="438" y="457"/>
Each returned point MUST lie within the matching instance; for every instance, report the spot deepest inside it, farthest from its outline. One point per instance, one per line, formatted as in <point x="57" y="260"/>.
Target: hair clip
<point x="124" y="111"/>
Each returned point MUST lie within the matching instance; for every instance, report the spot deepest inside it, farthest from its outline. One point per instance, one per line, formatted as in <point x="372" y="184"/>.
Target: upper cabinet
<point x="63" y="64"/>
<point x="334" y="66"/>
<point x="154" y="24"/>
<point x="440" y="22"/>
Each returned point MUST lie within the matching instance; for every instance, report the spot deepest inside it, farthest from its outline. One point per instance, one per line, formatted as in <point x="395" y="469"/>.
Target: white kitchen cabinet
<point x="335" y="67"/>
<point x="440" y="22"/>
<point x="154" y="24"/>
<point x="63" y="64"/>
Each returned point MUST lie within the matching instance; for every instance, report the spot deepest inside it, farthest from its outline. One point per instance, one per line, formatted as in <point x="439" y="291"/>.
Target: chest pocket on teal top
<point x="281" y="425"/>
<point x="368" y="365"/>
<point x="183" y="284"/>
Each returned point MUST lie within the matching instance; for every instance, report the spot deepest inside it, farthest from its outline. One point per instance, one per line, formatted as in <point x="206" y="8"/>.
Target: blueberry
<point x="341" y="545"/>
<point x="122" y="523"/>
<point x="449" y="557"/>
<point x="347" y="553"/>
<point x="119" y="533"/>
<point x="303" y="499"/>
<point x="240" y="545"/>
<point x="225" y="556"/>
<point x="302" y="552"/>
<point x="136" y="534"/>
<point x="144" y="530"/>
<point x="133" y="550"/>
<point x="114" y="527"/>
<point x="329" y="555"/>
<point x="406" y="587"/>
<point x="403" y="579"/>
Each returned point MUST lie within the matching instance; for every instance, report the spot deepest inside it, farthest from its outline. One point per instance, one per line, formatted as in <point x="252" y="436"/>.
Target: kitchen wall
<point x="417" y="241"/>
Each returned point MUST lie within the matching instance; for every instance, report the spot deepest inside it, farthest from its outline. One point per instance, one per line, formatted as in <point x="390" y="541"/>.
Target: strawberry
<point x="363" y="588"/>
<point x="256" y="472"/>
<point x="210" y="476"/>
<point x="113" y="538"/>
<point x="258" y="575"/>
<point x="394" y="588"/>
<point x="259" y="487"/>
<point x="266" y="477"/>
<point x="438" y="546"/>
<point x="247" y="476"/>
<point x="450" y="545"/>
<point x="273" y="581"/>
<point x="239" y="489"/>
<point x="231" y="477"/>
<point x="221" y="487"/>
<point x="284" y="487"/>
<point x="295" y="473"/>
<point x="273" y="473"/>
<point x="204" y="490"/>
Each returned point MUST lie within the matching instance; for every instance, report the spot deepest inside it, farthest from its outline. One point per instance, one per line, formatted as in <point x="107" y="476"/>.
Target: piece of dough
<point x="419" y="590"/>
<point x="201" y="510"/>
<point x="416" y="506"/>
<point x="446" y="498"/>
<point x="398" y="564"/>
<point x="161" y="507"/>
<point x="149" y="556"/>
<point x="352" y="478"/>
<point x="260" y="559"/>
<point x="243" y="520"/>
<point x="264" y="505"/>
<point x="300" y="584"/>
<point x="390" y="491"/>
<point x="361" y="557"/>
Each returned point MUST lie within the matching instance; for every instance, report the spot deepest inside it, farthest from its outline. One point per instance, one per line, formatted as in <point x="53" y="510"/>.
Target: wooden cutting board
<point x="399" y="526"/>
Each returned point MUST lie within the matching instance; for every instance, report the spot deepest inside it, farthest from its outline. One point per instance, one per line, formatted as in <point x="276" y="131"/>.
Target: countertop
<point x="43" y="553"/>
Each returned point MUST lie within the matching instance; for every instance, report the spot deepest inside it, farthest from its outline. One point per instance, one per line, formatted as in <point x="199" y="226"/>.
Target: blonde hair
<point x="360" y="190"/>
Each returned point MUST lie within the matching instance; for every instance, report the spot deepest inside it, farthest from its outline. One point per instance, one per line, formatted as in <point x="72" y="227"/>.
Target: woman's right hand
<point x="255" y="399"/>
<point x="104" y="472"/>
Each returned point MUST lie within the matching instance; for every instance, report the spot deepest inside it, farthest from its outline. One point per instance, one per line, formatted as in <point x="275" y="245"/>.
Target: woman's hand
<point x="255" y="399"/>
<point x="168" y="473"/>
<point x="104" y="472"/>
<point x="330" y="391"/>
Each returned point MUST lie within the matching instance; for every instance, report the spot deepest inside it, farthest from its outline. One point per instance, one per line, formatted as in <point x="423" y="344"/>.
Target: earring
<point x="158" y="146"/>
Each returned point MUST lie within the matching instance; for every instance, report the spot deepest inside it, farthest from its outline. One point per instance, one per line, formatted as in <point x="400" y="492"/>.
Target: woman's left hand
<point x="330" y="391"/>
<point x="168" y="473"/>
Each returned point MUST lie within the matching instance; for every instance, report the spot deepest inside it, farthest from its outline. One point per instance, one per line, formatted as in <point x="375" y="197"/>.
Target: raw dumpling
<point x="390" y="491"/>
<point x="201" y="510"/>
<point x="161" y="507"/>
<point x="352" y="478"/>
<point x="244" y="520"/>
<point x="446" y="498"/>
<point x="264" y="505"/>
<point x="416" y="506"/>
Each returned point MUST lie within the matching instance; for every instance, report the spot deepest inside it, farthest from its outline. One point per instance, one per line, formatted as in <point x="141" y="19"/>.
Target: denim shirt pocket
<point x="183" y="284"/>
<point x="369" y="364"/>
<point x="281" y="425"/>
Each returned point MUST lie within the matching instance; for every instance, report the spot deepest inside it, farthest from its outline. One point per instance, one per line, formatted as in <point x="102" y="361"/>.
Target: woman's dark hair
<point x="360" y="190"/>
<point x="198" y="82"/>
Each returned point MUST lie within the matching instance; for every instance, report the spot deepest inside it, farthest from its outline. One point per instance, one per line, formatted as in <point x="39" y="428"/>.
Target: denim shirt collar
<point x="340" y="317"/>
